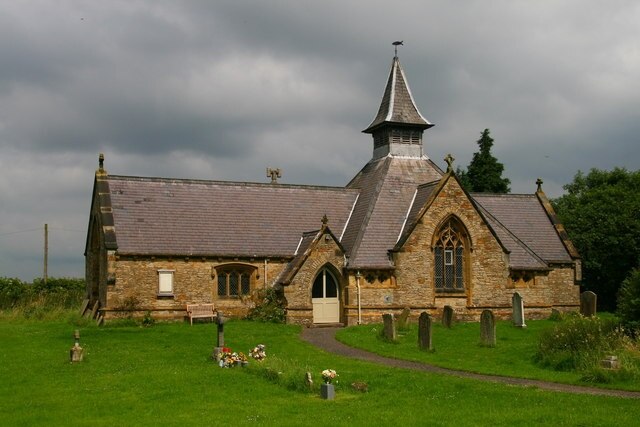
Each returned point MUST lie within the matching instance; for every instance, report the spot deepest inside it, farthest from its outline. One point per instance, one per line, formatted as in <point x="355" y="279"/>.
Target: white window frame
<point x="166" y="278"/>
<point x="448" y="257"/>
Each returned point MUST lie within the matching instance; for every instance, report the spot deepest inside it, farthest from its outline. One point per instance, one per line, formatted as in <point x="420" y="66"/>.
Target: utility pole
<point x="46" y="251"/>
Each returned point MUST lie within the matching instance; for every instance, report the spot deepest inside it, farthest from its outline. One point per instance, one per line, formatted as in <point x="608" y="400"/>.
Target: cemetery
<point x="172" y="370"/>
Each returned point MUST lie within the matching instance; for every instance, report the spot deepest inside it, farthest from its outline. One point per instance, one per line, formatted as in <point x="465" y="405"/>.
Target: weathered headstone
<point x="518" y="310"/>
<point x="487" y="329"/>
<point x="610" y="362"/>
<point x="588" y="302"/>
<point x="217" y="350"/>
<point x="308" y="380"/>
<point x="76" y="354"/>
<point x="424" y="331"/>
<point x="403" y="319"/>
<point x="448" y="316"/>
<point x="389" y="330"/>
<point x="555" y="314"/>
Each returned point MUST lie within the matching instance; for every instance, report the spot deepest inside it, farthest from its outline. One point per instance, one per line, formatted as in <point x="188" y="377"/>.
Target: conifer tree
<point x="484" y="173"/>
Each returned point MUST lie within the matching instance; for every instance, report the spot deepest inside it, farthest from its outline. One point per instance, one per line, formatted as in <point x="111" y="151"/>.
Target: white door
<point x="324" y="297"/>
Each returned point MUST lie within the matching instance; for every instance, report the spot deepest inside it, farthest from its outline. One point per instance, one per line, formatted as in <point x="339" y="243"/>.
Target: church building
<point x="402" y="233"/>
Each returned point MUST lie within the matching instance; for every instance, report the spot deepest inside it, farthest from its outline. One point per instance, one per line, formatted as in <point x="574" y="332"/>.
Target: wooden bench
<point x="195" y="311"/>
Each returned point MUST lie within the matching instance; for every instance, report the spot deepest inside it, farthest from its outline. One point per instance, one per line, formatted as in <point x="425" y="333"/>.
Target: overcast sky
<point x="223" y="89"/>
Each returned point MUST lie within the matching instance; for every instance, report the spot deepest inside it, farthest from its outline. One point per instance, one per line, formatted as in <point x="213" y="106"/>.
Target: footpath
<point x="325" y="338"/>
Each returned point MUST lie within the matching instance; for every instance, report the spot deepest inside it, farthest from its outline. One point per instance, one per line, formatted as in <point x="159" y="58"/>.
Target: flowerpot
<point x="327" y="391"/>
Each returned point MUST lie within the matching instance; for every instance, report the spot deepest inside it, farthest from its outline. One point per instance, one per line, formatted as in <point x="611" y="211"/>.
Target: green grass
<point x="458" y="348"/>
<point x="163" y="376"/>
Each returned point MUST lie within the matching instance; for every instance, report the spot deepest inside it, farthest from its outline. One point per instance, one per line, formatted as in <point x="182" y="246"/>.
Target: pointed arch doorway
<point x="325" y="298"/>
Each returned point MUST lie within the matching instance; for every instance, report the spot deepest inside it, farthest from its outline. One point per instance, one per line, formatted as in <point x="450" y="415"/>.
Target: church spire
<point x="398" y="106"/>
<point x="397" y="128"/>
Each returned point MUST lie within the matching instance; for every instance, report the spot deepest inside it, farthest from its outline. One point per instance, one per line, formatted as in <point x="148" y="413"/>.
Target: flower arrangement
<point x="258" y="352"/>
<point x="328" y="375"/>
<point x="229" y="359"/>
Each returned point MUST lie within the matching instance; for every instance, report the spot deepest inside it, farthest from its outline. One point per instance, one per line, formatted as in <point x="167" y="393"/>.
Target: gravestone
<point x="217" y="350"/>
<point x="487" y="329"/>
<point x="403" y="319"/>
<point x="389" y="330"/>
<point x="76" y="354"/>
<point x="518" y="310"/>
<point x="588" y="302"/>
<point x="448" y="316"/>
<point x="424" y="331"/>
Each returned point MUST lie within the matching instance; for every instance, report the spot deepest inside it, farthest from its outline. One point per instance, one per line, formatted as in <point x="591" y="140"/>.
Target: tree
<point x="629" y="301"/>
<point x="484" y="173"/>
<point x="601" y="213"/>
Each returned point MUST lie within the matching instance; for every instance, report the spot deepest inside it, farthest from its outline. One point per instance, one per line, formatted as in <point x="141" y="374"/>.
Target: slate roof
<point x="157" y="216"/>
<point x="397" y="104"/>
<point x="526" y="219"/>
<point x="306" y="245"/>
<point x="387" y="188"/>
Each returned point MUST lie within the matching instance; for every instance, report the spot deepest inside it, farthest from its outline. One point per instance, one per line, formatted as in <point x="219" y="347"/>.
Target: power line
<point x="21" y="231"/>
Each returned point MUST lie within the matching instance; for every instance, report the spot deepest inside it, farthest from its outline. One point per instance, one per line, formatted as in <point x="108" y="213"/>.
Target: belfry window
<point x="449" y="257"/>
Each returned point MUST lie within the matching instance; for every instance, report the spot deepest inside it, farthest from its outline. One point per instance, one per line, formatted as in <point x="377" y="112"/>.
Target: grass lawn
<point x="458" y="348"/>
<point x="163" y="376"/>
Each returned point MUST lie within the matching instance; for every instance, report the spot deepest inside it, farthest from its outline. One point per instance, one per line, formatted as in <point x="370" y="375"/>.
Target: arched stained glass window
<point x="449" y="257"/>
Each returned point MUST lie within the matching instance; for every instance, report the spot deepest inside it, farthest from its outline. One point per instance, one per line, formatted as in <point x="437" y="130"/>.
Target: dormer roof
<point x="398" y="106"/>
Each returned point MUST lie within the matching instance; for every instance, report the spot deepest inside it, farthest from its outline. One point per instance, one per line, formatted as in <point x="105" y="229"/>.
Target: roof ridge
<point x="372" y="202"/>
<point x="227" y="183"/>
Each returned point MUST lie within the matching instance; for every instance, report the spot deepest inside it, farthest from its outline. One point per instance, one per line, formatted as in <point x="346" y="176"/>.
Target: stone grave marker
<point x="424" y="332"/>
<point x="448" y="316"/>
<point x="389" y="330"/>
<point x="84" y="307"/>
<point x="76" y="354"/>
<point x="487" y="329"/>
<point x="403" y="319"/>
<point x="588" y="302"/>
<point x="217" y="350"/>
<point x="518" y="310"/>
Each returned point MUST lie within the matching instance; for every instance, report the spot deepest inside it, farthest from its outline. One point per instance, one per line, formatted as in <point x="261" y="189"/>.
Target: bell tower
<point x="398" y="127"/>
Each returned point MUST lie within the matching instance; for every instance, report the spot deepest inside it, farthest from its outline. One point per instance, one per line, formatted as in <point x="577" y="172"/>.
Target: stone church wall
<point x="135" y="290"/>
<point x="298" y="292"/>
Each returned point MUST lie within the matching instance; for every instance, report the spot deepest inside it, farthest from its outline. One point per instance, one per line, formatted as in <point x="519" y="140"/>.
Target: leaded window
<point x="234" y="281"/>
<point x="449" y="257"/>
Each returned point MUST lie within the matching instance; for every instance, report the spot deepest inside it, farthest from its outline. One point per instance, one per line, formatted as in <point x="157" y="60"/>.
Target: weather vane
<point x="396" y="44"/>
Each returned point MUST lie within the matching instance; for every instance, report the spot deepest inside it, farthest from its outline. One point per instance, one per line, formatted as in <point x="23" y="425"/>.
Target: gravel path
<point x="325" y="338"/>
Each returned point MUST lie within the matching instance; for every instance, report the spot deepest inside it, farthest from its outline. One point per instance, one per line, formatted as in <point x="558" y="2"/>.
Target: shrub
<point x="270" y="307"/>
<point x="629" y="301"/>
<point x="33" y="299"/>
<point x="578" y="342"/>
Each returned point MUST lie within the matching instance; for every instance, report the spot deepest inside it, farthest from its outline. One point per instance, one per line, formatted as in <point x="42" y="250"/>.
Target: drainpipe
<point x="265" y="273"/>
<point x="358" y="275"/>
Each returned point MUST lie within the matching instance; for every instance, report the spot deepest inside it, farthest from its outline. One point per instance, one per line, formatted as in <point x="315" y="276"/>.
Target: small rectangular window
<point x="448" y="257"/>
<point x="165" y="282"/>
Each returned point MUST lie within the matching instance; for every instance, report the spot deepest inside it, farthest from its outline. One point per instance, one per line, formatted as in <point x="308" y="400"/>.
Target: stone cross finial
<point x="325" y="220"/>
<point x="101" y="161"/>
<point x="274" y="174"/>
<point x="449" y="159"/>
<point x="539" y="184"/>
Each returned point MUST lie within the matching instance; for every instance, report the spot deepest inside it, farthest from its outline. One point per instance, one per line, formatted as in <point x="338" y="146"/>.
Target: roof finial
<point x="274" y="174"/>
<point x="101" y="161"/>
<point x="449" y="159"/>
<point x="396" y="44"/>
<point x="539" y="184"/>
<point x="325" y="220"/>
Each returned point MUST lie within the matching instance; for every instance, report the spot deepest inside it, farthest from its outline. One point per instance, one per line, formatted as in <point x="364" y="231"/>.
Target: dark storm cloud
<point x="221" y="90"/>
